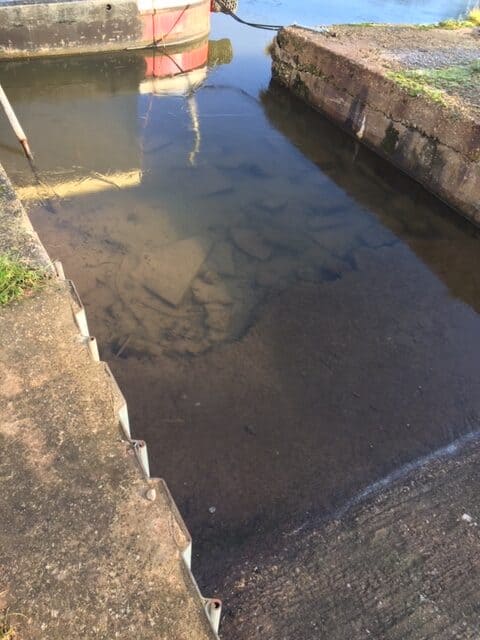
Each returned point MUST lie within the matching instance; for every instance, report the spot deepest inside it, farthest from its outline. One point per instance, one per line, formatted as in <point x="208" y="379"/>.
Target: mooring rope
<point x="255" y="25"/>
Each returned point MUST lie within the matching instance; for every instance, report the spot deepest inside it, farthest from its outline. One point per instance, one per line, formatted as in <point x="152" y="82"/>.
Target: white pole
<point x="16" y="126"/>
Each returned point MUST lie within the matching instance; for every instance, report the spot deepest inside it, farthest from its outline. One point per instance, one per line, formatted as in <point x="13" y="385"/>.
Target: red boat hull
<point x="65" y="27"/>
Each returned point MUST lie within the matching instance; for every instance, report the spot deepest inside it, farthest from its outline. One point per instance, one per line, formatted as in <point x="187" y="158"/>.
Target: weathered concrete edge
<point x="418" y="137"/>
<point x="19" y="238"/>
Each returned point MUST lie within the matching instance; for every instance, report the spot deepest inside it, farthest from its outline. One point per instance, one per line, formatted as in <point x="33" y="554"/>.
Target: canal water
<point x="290" y="319"/>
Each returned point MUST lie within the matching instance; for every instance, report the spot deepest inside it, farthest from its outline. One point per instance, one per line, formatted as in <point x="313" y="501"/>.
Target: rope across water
<point x="225" y="6"/>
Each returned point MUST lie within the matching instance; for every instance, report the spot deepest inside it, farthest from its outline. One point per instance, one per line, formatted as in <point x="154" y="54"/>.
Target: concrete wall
<point x="437" y="147"/>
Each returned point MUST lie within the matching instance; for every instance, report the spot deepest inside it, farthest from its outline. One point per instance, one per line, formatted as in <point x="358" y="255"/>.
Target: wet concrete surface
<point x="325" y="334"/>
<point x="402" y="565"/>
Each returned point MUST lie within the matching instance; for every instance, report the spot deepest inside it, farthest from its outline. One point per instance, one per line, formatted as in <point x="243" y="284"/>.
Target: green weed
<point x="415" y="87"/>
<point x="472" y="20"/>
<point x="434" y="82"/>
<point x="16" y="279"/>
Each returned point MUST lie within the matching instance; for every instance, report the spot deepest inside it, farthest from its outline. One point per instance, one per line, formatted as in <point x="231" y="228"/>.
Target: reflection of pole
<point x="16" y="126"/>
<point x="193" y="111"/>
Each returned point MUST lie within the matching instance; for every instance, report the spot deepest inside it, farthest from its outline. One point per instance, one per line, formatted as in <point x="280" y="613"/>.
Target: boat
<point x="30" y="28"/>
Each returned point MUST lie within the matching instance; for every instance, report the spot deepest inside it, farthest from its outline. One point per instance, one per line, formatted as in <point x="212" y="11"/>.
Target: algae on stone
<point x="435" y="84"/>
<point x="449" y="77"/>
<point x="415" y="86"/>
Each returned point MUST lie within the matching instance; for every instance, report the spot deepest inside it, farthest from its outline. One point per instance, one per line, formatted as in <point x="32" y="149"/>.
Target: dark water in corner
<point x="325" y="321"/>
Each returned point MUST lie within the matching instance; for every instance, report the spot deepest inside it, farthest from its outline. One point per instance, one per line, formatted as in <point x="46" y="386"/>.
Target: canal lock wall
<point x="350" y="74"/>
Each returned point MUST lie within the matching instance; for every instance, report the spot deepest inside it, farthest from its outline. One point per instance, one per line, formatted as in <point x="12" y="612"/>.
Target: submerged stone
<point x="211" y="293"/>
<point x="276" y="273"/>
<point x="286" y="238"/>
<point x="169" y="271"/>
<point x="338" y="240"/>
<point x="221" y="259"/>
<point x="320" y="258"/>
<point x="218" y="317"/>
<point x="251" y="243"/>
<point x="273" y="202"/>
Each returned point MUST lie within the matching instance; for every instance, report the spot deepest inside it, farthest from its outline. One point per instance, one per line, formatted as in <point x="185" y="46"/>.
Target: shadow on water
<point x="398" y="202"/>
<point x="289" y="318"/>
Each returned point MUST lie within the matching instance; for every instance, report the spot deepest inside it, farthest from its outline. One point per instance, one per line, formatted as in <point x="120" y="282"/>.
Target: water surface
<point x="289" y="317"/>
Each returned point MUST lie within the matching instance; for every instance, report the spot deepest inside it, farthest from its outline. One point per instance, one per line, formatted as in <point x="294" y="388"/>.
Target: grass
<point x="433" y="83"/>
<point x="17" y="279"/>
<point x="7" y="631"/>
<point x="450" y="77"/>
<point x="415" y="86"/>
<point x="471" y="20"/>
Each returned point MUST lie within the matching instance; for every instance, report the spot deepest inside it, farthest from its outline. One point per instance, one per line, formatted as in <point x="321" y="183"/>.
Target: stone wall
<point x="437" y="145"/>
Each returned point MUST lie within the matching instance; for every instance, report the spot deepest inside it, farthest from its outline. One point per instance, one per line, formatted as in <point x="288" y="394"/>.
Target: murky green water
<point x="290" y="318"/>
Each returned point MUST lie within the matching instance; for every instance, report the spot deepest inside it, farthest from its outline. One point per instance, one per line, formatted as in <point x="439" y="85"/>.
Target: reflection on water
<point x="402" y="206"/>
<point x="290" y="318"/>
